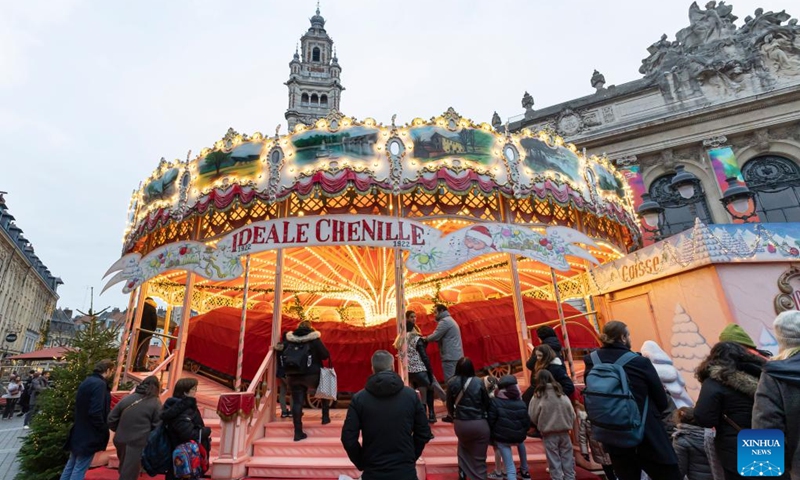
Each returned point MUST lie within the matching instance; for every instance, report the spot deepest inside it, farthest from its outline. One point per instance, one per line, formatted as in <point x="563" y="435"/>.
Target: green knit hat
<point x="735" y="333"/>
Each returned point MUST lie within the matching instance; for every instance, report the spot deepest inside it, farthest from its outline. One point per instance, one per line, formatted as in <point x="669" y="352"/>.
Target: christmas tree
<point x="670" y="377"/>
<point x="42" y="455"/>
<point x="689" y="347"/>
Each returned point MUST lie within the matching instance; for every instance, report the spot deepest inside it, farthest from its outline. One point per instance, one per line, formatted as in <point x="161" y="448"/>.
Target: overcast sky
<point x="94" y="93"/>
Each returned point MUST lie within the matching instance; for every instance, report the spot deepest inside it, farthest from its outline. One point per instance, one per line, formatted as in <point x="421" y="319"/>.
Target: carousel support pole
<point x="166" y="330"/>
<point x="134" y="333"/>
<point x="240" y="358"/>
<point x="124" y="340"/>
<point x="567" y="347"/>
<point x="176" y="370"/>
<point x="276" y="333"/>
<point x="519" y="313"/>
<point x="399" y="292"/>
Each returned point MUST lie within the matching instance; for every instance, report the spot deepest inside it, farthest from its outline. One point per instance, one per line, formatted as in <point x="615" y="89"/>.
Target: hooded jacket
<point x="777" y="405"/>
<point x="508" y="416"/>
<point x="448" y="334"/>
<point x="728" y="393"/>
<point x="551" y="413"/>
<point x="184" y="422"/>
<point x="134" y="417"/>
<point x="318" y="350"/>
<point x="689" y="443"/>
<point x="393" y="427"/>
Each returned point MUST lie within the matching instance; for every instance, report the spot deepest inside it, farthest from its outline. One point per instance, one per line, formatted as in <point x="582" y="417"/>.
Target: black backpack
<point x="296" y="358"/>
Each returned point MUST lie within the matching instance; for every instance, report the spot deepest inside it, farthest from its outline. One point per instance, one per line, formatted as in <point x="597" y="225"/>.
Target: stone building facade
<point x="721" y="100"/>
<point x="28" y="291"/>
<point x="314" y="86"/>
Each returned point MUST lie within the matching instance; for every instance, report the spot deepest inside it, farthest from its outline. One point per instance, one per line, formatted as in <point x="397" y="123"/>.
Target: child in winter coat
<point x="552" y="413"/>
<point x="509" y="422"/>
<point x="588" y="443"/>
<point x="689" y="444"/>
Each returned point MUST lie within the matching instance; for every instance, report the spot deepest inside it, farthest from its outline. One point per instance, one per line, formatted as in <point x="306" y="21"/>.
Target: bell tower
<point x="314" y="86"/>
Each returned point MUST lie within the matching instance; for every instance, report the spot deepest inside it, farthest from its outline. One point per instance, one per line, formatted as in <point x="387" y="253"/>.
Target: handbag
<point x="326" y="389"/>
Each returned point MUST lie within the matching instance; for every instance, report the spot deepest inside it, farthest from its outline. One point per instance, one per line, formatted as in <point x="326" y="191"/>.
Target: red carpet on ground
<point x="103" y="473"/>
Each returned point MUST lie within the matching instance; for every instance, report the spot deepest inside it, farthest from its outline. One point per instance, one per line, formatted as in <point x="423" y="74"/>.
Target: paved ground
<point x="11" y="434"/>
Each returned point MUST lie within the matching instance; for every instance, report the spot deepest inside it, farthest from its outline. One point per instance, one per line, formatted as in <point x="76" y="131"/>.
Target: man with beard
<point x="654" y="454"/>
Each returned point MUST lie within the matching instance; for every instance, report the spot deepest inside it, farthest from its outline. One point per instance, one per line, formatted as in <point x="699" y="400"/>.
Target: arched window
<point x="776" y="182"/>
<point x="304" y="100"/>
<point x="323" y="100"/>
<point x="679" y="213"/>
<point x="315" y="54"/>
<point x="314" y="99"/>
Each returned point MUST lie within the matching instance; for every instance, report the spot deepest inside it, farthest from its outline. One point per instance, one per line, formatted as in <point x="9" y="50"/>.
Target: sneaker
<point x="525" y="474"/>
<point x="285" y="414"/>
<point x="26" y="427"/>
<point x="496" y="476"/>
<point x="448" y="419"/>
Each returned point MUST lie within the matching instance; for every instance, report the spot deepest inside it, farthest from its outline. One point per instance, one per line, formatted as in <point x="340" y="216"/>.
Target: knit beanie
<point x="736" y="334"/>
<point x="787" y="329"/>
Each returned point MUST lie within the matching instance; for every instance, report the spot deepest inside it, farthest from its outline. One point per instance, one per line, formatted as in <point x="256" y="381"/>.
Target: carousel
<point x="350" y="223"/>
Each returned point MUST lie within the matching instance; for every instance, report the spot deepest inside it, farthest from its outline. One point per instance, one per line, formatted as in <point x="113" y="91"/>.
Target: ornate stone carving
<point x="598" y="80"/>
<point x="527" y="103"/>
<point x="608" y="114"/>
<point x="761" y="139"/>
<point x="628" y="161"/>
<point x="711" y="56"/>
<point x="569" y="123"/>
<point x="786" y="300"/>
<point x="668" y="160"/>
<point x="715" y="142"/>
<point x="496" y="121"/>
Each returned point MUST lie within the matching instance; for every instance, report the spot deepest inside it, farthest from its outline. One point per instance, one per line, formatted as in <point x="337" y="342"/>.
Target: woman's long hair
<point x="728" y="356"/>
<point x="152" y="386"/>
<point x="543" y="379"/>
<point x="548" y="355"/>
<point x="465" y="368"/>
<point x="183" y="386"/>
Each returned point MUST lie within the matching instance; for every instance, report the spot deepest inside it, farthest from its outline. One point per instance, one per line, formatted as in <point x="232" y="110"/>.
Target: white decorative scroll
<point x="429" y="251"/>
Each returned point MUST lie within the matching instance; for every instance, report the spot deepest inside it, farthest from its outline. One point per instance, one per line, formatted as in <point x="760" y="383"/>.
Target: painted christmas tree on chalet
<point x="670" y="377"/>
<point x="689" y="347"/>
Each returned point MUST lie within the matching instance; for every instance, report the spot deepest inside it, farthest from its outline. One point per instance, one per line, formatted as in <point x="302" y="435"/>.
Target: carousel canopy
<point x="347" y="201"/>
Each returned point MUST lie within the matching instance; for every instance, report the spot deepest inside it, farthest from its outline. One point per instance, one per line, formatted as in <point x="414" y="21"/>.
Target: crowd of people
<point x="741" y="388"/>
<point x="25" y="395"/>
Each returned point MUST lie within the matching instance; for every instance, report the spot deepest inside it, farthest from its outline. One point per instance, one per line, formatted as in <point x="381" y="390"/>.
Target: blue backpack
<point x="610" y="404"/>
<point x="157" y="455"/>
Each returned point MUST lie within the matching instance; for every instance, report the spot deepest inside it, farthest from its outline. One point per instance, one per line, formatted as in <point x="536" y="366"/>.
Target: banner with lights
<point x="429" y="250"/>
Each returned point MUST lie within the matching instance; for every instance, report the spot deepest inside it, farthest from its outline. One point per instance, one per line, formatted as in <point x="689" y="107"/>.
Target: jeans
<point x="508" y="460"/>
<point x="10" y="404"/>
<point x="76" y="467"/>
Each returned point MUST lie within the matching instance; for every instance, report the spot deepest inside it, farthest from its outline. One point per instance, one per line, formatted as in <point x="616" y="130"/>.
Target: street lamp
<point x="684" y="182"/>
<point x="650" y="213"/>
<point x="739" y="200"/>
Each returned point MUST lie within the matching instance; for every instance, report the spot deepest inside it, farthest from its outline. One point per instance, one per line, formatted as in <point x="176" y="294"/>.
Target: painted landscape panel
<point x="241" y="162"/>
<point x="608" y="182"/>
<point x="357" y="143"/>
<point x="435" y="143"/>
<point x="541" y="157"/>
<point x="162" y="187"/>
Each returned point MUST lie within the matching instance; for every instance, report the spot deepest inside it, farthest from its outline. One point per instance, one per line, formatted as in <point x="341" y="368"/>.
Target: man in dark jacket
<point x="149" y="324"/>
<point x="301" y="380"/>
<point x="392" y="423"/>
<point x="89" y="434"/>
<point x="655" y="454"/>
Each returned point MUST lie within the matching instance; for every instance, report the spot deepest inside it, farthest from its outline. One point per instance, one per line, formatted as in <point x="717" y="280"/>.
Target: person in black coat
<point x="89" y="433"/>
<point x="548" y="337"/>
<point x="149" y="323"/>
<point x="392" y="423"/>
<point x="300" y="382"/>
<point x="545" y="357"/>
<point x="655" y="454"/>
<point x="729" y="379"/>
<point x="183" y="419"/>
